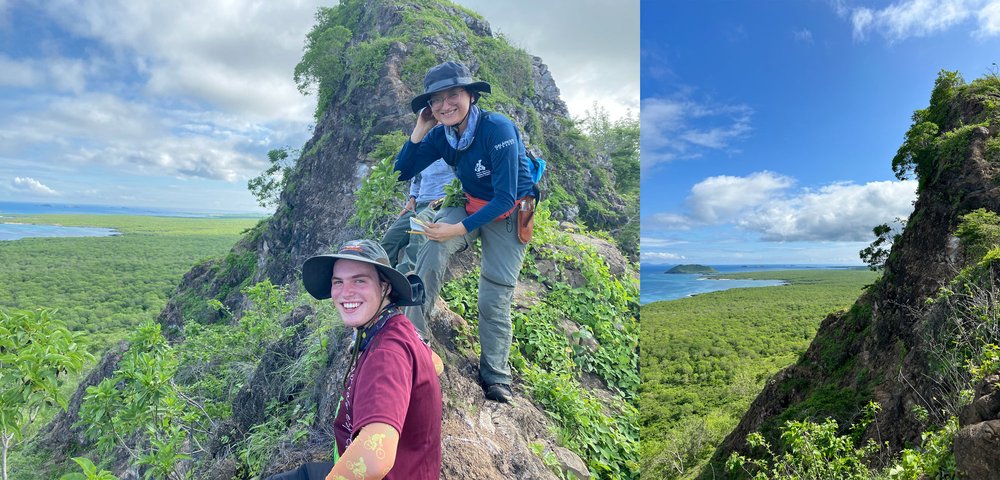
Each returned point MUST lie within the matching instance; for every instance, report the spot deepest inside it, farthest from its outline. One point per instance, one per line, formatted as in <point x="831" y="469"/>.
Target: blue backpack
<point x="537" y="166"/>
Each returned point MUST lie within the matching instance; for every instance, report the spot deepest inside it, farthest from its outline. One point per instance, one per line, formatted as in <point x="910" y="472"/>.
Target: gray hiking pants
<point x="396" y="239"/>
<point x="502" y="256"/>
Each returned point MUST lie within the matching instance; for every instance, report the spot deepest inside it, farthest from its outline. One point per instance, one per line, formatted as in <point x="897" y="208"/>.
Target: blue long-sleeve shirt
<point x="429" y="184"/>
<point x="493" y="168"/>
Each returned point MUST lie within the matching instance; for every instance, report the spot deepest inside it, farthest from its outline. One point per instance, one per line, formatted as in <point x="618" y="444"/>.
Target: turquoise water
<point x="655" y="285"/>
<point x="16" y="231"/>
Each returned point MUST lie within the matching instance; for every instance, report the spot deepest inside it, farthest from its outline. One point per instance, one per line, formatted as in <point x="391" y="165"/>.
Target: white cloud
<point x="30" y="185"/>
<point x="16" y="73"/>
<point x="201" y="157"/>
<point x="658" y="257"/>
<point x="56" y="73"/>
<point x="102" y="129"/>
<point x="837" y="212"/>
<point x="918" y="18"/>
<point x="764" y="203"/>
<point x="674" y="128"/>
<point x="232" y="55"/>
<point x="722" y="198"/>
<point x="667" y="221"/>
<point x="989" y="20"/>
<point x="592" y="48"/>
<point x="653" y="242"/>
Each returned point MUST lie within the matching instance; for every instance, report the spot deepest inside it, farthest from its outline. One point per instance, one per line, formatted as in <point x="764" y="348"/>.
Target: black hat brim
<point x="420" y="101"/>
<point x="317" y="273"/>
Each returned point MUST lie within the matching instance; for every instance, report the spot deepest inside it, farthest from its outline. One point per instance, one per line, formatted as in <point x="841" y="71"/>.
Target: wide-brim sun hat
<point x="317" y="272"/>
<point x="444" y="76"/>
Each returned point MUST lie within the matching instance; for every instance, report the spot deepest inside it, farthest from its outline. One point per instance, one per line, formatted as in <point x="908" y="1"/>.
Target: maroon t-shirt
<point x="395" y="383"/>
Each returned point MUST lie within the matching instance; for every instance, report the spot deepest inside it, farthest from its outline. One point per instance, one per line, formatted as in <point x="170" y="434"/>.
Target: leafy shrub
<point x="267" y="186"/>
<point x="978" y="231"/>
<point x="36" y="354"/>
<point x="378" y="201"/>
<point x="163" y="401"/>
<point x="812" y="451"/>
<point x="90" y="471"/>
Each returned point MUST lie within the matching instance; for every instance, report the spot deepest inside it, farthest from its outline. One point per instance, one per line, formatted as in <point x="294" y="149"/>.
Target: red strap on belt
<point x="473" y="204"/>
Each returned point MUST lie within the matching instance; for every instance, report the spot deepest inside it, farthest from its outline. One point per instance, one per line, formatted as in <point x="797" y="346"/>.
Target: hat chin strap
<point x="383" y="305"/>
<point x="465" y="118"/>
<point x="359" y="330"/>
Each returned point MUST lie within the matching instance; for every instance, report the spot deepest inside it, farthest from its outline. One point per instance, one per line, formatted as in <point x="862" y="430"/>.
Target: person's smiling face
<point x="357" y="292"/>
<point x="450" y="106"/>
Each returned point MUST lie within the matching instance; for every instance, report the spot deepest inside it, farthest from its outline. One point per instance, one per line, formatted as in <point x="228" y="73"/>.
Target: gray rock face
<point x="976" y="448"/>
<point x="977" y="443"/>
<point x="571" y="464"/>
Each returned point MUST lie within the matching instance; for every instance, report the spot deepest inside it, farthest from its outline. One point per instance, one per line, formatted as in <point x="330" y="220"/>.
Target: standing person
<point x="486" y="150"/>
<point x="388" y="422"/>
<point x="425" y="188"/>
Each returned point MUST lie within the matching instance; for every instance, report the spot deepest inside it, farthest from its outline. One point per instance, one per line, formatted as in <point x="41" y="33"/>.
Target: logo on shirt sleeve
<point x="503" y="144"/>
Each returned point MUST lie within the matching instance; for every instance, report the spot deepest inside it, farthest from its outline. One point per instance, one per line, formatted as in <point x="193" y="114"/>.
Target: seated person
<point x="425" y="188"/>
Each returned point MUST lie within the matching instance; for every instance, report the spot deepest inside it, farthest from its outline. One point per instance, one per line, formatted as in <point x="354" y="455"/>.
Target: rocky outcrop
<point x="880" y="350"/>
<point x="977" y="443"/>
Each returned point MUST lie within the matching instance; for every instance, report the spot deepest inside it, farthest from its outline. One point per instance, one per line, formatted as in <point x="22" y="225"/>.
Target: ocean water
<point x="10" y="229"/>
<point x="16" y="231"/>
<point x="69" y="208"/>
<point x="655" y="285"/>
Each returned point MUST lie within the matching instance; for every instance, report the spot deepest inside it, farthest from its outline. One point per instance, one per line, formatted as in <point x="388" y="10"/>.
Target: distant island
<point x="692" y="269"/>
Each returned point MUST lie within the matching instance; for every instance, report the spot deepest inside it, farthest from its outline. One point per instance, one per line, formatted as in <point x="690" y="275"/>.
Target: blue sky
<point x="768" y="127"/>
<point x="175" y="104"/>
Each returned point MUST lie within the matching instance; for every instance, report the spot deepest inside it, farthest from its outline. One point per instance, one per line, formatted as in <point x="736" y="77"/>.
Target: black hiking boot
<point x="499" y="392"/>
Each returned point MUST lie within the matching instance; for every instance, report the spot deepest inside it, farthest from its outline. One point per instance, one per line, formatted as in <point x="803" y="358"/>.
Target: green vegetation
<point x="706" y="357"/>
<point x="164" y="402"/>
<point x="551" y="361"/>
<point x="938" y="137"/>
<point x="618" y="141"/>
<point x="692" y="268"/>
<point x="90" y="471"/>
<point x="267" y="186"/>
<point x="961" y="330"/>
<point x="36" y="354"/>
<point x="107" y="286"/>
<point x="877" y="252"/>
<point x="979" y="231"/>
<point x="104" y="287"/>
<point x="815" y="451"/>
<point x="380" y="198"/>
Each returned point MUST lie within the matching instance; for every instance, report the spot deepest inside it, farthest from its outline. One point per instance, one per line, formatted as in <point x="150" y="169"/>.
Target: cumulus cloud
<point x="722" y="198"/>
<point x="102" y="129"/>
<point x="679" y="127"/>
<point x="32" y="186"/>
<point x="989" y="20"/>
<point x="234" y="56"/>
<point x="839" y="212"/>
<point x="765" y="203"/>
<point x="917" y="18"/>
